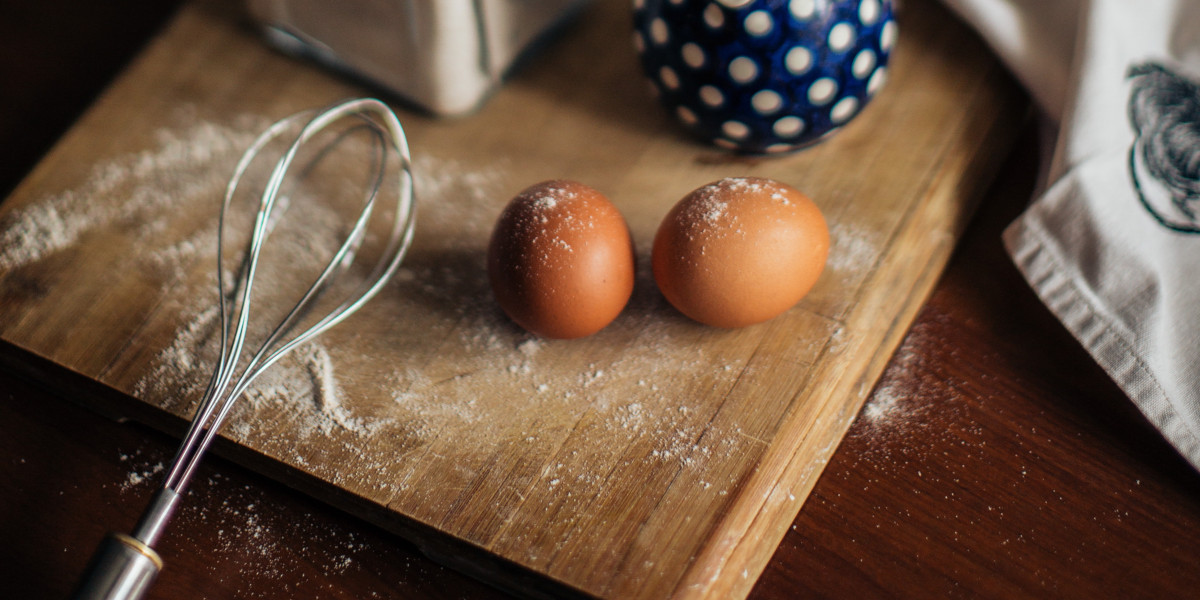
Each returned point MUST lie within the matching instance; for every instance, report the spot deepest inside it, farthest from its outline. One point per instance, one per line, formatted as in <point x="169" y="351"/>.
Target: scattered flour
<point x="183" y="166"/>
<point x="136" y="477"/>
<point x="891" y="412"/>
<point x="852" y="249"/>
<point x="885" y="406"/>
<point x="255" y="541"/>
<point x="896" y="414"/>
<point x="626" y="405"/>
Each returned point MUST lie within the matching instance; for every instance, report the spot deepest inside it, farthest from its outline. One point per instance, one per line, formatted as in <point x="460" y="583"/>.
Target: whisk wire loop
<point x="222" y="392"/>
<point x="124" y="566"/>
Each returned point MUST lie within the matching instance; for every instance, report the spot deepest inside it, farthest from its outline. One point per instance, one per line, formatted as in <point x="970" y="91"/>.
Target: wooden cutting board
<point x="657" y="458"/>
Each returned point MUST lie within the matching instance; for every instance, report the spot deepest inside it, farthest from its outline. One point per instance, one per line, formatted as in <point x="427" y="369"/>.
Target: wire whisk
<point x="124" y="566"/>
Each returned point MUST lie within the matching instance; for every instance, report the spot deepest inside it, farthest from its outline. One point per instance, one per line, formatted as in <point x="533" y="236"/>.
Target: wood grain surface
<point x="672" y="467"/>
<point x="995" y="401"/>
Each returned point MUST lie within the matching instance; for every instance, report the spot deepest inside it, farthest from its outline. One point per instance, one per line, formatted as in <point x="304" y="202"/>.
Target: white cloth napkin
<point x="1112" y="243"/>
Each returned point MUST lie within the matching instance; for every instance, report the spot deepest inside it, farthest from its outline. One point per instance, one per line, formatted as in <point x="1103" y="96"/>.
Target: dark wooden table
<point x="994" y="459"/>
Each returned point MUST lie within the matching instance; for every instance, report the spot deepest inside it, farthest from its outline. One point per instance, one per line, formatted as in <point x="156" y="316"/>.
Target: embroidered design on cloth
<point x="1164" y="160"/>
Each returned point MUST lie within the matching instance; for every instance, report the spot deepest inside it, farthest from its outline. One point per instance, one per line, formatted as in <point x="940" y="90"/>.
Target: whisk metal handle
<point x="123" y="568"/>
<point x="155" y="517"/>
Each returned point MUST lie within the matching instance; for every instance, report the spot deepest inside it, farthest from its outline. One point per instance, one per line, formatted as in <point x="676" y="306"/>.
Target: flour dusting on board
<point x="853" y="249"/>
<point x="184" y="166"/>
<point x="430" y="367"/>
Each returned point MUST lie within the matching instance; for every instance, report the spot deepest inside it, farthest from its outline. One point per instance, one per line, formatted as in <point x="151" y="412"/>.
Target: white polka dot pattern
<point x="735" y="129"/>
<point x="868" y="12"/>
<point x="759" y="23"/>
<point x="693" y="55"/>
<point x="765" y="75"/>
<point x="669" y="78"/>
<point x="788" y="127"/>
<point x="659" y="32"/>
<point x="864" y="64"/>
<point x="767" y="102"/>
<point x="714" y="16"/>
<point x="844" y="109"/>
<point x="798" y="60"/>
<point x="877" y="80"/>
<point x="743" y="69"/>
<point x="712" y="96"/>
<point x="887" y="38"/>
<point x="822" y="91"/>
<point x="840" y="37"/>
<point x="803" y="10"/>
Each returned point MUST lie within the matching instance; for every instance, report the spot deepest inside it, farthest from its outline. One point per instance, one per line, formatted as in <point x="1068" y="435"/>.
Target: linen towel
<point x="1111" y="243"/>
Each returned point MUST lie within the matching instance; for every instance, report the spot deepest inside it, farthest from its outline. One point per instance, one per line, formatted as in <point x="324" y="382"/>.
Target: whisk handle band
<point x="122" y="568"/>
<point x="157" y="514"/>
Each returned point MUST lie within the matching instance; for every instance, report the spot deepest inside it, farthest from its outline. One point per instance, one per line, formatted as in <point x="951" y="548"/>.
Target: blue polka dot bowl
<point x="763" y="76"/>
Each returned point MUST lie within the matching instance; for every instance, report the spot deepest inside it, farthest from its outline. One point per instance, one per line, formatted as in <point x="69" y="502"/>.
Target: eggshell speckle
<point x="560" y="260"/>
<point x="739" y="251"/>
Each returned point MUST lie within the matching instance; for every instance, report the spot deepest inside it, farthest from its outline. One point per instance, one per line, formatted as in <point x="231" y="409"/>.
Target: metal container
<point x="446" y="56"/>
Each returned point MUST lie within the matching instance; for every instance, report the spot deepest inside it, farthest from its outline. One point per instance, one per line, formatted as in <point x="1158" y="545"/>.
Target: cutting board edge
<point x="454" y="553"/>
<point x="735" y="578"/>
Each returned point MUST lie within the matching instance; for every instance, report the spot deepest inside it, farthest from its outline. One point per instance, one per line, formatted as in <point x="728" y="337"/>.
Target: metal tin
<point x="446" y="56"/>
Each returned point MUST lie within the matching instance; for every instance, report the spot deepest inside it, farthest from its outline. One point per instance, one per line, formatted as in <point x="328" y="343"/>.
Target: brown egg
<point x="560" y="260"/>
<point x="739" y="251"/>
